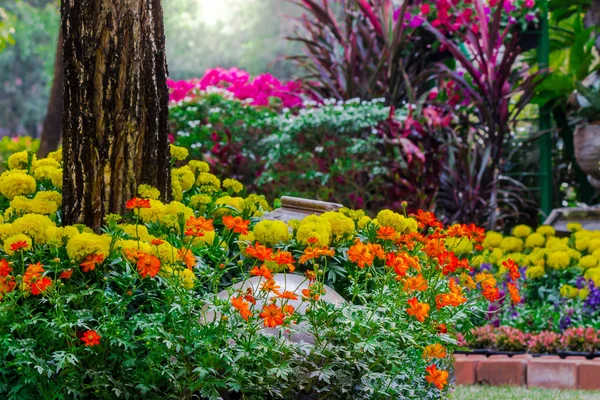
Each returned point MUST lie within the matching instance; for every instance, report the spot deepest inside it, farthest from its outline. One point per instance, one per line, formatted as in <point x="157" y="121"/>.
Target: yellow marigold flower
<point x="535" y="272"/>
<point x="19" y="237"/>
<point x="270" y="233"/>
<point x="179" y="153"/>
<point x="225" y="202"/>
<point x="364" y="221"/>
<point x="411" y="225"/>
<point x="198" y="167"/>
<point x="170" y="211"/>
<point x="521" y="231"/>
<point x="247" y="238"/>
<point x="496" y="255"/>
<point x="574" y="226"/>
<point x="83" y="244"/>
<point x="124" y="245"/>
<point x="586" y="262"/>
<point x="593" y="245"/>
<point x="5" y="231"/>
<point x="546" y="230"/>
<point x="535" y="240"/>
<point x="152" y="214"/>
<point x="165" y="252"/>
<point x="185" y="176"/>
<point x="434" y="351"/>
<point x="574" y="254"/>
<point x="176" y="190"/>
<point x="53" y="174"/>
<point x="142" y="231"/>
<point x="49" y="196"/>
<point x="558" y="260"/>
<point x="479" y="259"/>
<point x="233" y="185"/>
<point x="583" y="293"/>
<point x="294" y="224"/>
<point x="19" y="160"/>
<point x="34" y="226"/>
<point x="208" y="183"/>
<point x="395" y="220"/>
<point x="148" y="192"/>
<point x="582" y="244"/>
<point x="207" y="239"/>
<point x="459" y="246"/>
<point x="257" y="205"/>
<point x="341" y="226"/>
<point x="596" y="254"/>
<point x="354" y="215"/>
<point x="492" y="240"/>
<point x="589" y="273"/>
<point x="59" y="235"/>
<point x="314" y="228"/>
<point x="188" y="279"/>
<point x="16" y="183"/>
<point x="511" y="244"/>
<point x="568" y="291"/>
<point x="44" y="162"/>
<point x="198" y="200"/>
<point x="56" y="155"/>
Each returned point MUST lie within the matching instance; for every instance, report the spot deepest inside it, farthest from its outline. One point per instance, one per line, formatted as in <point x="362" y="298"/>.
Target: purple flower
<point x="529" y="17"/>
<point x="416" y="21"/>
<point x="565" y="322"/>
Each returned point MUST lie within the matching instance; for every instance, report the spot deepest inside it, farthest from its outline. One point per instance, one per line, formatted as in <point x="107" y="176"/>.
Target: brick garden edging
<point x="550" y="372"/>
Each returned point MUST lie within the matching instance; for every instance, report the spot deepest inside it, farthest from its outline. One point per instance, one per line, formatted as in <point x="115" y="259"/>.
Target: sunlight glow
<point x="215" y="11"/>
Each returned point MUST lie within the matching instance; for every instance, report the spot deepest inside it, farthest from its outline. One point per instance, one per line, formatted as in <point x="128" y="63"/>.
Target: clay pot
<point x="586" y="140"/>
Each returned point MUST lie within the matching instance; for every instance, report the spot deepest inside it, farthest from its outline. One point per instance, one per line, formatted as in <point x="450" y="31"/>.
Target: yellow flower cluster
<point x="269" y="232"/>
<point x="233" y="186"/>
<point x="400" y="223"/>
<point x="179" y="153"/>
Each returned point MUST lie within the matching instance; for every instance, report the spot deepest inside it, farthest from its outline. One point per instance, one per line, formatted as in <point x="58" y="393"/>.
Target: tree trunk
<point x="115" y="118"/>
<point x="52" y="128"/>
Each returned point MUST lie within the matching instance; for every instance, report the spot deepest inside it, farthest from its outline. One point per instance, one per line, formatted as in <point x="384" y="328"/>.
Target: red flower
<point x="91" y="338"/>
<point x="491" y="293"/>
<point x="5" y="269"/>
<point x="19" y="245"/>
<point x="259" y="251"/>
<point x="66" y="274"/>
<point x="38" y="286"/>
<point x="137" y="203"/>
<point x="427" y="218"/>
<point x="513" y="269"/>
<point x="157" y="242"/>
<point x="91" y="261"/>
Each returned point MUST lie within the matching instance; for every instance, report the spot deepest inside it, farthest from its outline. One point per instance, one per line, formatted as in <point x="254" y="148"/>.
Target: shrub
<point x="133" y="310"/>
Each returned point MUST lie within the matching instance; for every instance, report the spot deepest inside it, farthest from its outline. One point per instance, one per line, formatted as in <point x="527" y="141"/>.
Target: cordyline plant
<point x="363" y="52"/>
<point x="473" y="187"/>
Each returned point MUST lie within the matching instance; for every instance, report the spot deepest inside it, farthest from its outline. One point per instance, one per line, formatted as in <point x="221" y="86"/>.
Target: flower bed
<point x="134" y="310"/>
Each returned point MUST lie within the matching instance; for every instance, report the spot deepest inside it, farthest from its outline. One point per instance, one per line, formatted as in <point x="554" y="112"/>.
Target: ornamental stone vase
<point x="586" y="140"/>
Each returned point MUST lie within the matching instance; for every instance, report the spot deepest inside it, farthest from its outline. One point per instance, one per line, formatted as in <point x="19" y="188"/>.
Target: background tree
<point x="115" y="118"/>
<point x="52" y="129"/>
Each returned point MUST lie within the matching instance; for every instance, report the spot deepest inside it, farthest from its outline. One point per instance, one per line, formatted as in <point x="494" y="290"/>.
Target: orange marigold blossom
<point x="437" y="377"/>
<point x="418" y="310"/>
<point x="448" y="261"/>
<point x="376" y="250"/>
<point x="360" y="254"/>
<point x="288" y="309"/>
<point x="310" y="253"/>
<point x="148" y="265"/>
<point x="200" y="224"/>
<point x="38" y="286"/>
<point x="458" y="230"/>
<point x="284" y="258"/>
<point x="270" y="286"/>
<point x="386" y="233"/>
<point x="20" y="245"/>
<point x="398" y="263"/>
<point x="467" y="281"/>
<point x="312" y="293"/>
<point x="412" y="283"/>
<point x="33" y="273"/>
<point x="485" y="279"/>
<point x="187" y="257"/>
<point x="7" y="285"/>
<point x="452" y="299"/>
<point x="514" y="293"/>
<point x="66" y="274"/>
<point x="5" y="269"/>
<point x="90" y="262"/>
<point x="236" y="224"/>
<point x="433" y="248"/>
<point x="242" y="306"/>
<point x="262" y="271"/>
<point x="272" y="316"/>
<point x="434" y="351"/>
<point x="137" y="203"/>
<point x="476" y="233"/>
<point x="91" y="338"/>
<point x="512" y="268"/>
<point x="427" y="218"/>
<point x="259" y="251"/>
<point x="288" y="295"/>
<point x="157" y="242"/>
<point x="491" y="293"/>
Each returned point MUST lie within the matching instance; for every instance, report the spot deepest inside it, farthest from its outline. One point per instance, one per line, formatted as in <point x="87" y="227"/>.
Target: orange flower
<point x="249" y="297"/>
<point x="7" y="285"/>
<point x="66" y="274"/>
<point x="5" y="269"/>
<point x="236" y="224"/>
<point x="91" y="261"/>
<point x="288" y="309"/>
<point x="33" y="273"/>
<point x="157" y="242"/>
<point x="272" y="316"/>
<point x="148" y="265"/>
<point x="360" y="254"/>
<point x="262" y="271"/>
<point x="491" y="293"/>
<point x="448" y="262"/>
<point x="288" y="295"/>
<point x="312" y="240"/>
<point x="453" y="299"/>
<point x="259" y="251"/>
<point x="270" y="286"/>
<point x="241" y="306"/>
<point x="434" y="248"/>
<point x="513" y="269"/>
<point x="312" y="293"/>
<point x="441" y="328"/>
<point x="415" y="283"/>
<point x="91" y="338"/>
<point x="18" y="245"/>
<point x="467" y="281"/>
<point x="137" y="203"/>
<point x="284" y="258"/>
<point x="398" y="263"/>
<point x="38" y="286"/>
<point x="316" y="252"/>
<point x="434" y="351"/>
<point x="187" y="257"/>
<point x="376" y="250"/>
<point x="485" y="279"/>
<point x="476" y="233"/>
<point x="193" y="232"/>
<point x="310" y="275"/>
<point x="386" y="233"/>
<point x="514" y="293"/>
<point x="458" y="230"/>
<point x="200" y="224"/>
<point x="437" y="377"/>
<point x="427" y="218"/>
<point x="418" y="310"/>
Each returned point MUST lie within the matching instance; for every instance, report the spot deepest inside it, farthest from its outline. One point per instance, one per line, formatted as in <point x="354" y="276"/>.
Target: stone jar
<point x="586" y="140"/>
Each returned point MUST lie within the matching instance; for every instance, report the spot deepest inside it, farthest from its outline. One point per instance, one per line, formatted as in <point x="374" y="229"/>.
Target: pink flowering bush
<point x="510" y="339"/>
<point x="580" y="339"/>
<point x="262" y="90"/>
<point x="544" y="342"/>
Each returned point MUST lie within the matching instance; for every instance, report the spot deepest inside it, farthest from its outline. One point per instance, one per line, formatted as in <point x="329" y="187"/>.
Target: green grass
<point x="480" y="392"/>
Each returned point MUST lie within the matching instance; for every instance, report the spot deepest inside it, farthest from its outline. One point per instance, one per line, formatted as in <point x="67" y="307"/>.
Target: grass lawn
<point x="480" y="392"/>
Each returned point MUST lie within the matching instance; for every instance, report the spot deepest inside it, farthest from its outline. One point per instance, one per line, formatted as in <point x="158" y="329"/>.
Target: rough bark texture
<point x="52" y="128"/>
<point x="115" y="118"/>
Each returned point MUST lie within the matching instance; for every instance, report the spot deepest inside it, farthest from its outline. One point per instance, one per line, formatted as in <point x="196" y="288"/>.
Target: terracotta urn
<point x="586" y="140"/>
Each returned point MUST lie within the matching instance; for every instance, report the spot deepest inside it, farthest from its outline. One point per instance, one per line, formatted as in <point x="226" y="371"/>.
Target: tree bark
<point x="52" y="128"/>
<point x="115" y="118"/>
